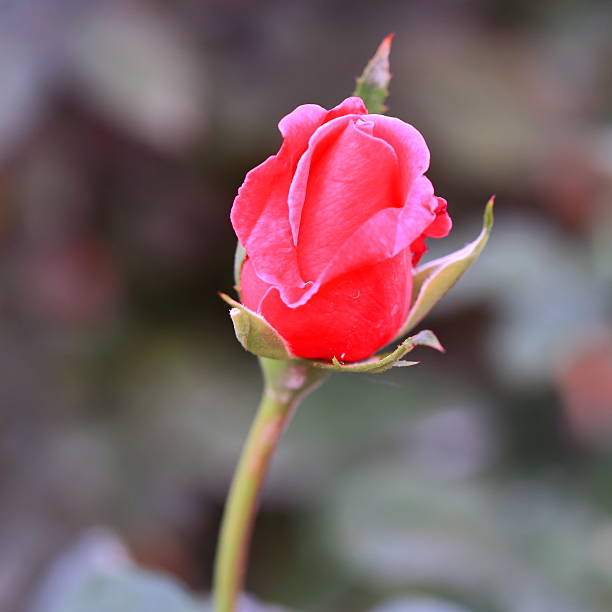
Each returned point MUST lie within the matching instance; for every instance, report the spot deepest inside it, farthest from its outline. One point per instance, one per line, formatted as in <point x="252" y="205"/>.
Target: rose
<point x="332" y="226"/>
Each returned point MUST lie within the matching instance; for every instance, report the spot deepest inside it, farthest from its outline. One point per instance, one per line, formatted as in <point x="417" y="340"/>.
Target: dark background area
<point x="481" y="477"/>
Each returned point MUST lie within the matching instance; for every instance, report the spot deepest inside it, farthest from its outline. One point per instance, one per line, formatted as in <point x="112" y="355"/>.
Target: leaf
<point x="376" y="365"/>
<point x="373" y="84"/>
<point x="433" y="279"/>
<point x="255" y="334"/>
<point x="134" y="590"/>
<point x="418" y="604"/>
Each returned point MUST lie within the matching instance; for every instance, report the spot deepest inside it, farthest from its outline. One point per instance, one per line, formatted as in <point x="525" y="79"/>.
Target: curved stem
<point x="285" y="384"/>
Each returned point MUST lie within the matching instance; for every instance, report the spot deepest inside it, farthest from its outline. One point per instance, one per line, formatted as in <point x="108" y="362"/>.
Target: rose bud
<point x="332" y="226"/>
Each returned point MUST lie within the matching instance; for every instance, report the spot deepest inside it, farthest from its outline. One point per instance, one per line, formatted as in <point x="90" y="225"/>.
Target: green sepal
<point x="255" y="334"/>
<point x="381" y="363"/>
<point x="433" y="279"/>
<point x="373" y="84"/>
<point x="239" y="257"/>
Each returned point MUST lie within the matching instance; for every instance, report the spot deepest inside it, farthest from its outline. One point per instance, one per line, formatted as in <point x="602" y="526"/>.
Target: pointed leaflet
<point x="377" y="365"/>
<point x="433" y="279"/>
<point x="255" y="334"/>
<point x="373" y="84"/>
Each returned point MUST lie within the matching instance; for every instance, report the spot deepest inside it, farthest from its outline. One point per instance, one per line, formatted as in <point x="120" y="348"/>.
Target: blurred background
<point x="480" y="481"/>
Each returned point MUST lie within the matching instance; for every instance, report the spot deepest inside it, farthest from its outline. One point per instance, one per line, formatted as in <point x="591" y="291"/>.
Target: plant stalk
<point x="286" y="383"/>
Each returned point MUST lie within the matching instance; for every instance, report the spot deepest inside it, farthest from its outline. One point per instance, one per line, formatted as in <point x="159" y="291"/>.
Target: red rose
<point x="332" y="226"/>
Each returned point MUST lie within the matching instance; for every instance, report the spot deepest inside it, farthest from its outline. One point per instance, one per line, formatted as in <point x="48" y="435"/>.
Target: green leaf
<point x="254" y="333"/>
<point x="373" y="85"/>
<point x="433" y="279"/>
<point x="239" y="257"/>
<point x="379" y="364"/>
<point x="130" y="590"/>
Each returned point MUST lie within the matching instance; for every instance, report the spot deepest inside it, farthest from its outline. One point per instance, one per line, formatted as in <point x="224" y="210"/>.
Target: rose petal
<point x="259" y="217"/>
<point x="408" y="143"/>
<point x="349" y="318"/>
<point x="386" y="234"/>
<point x="442" y="224"/>
<point x="297" y="127"/>
<point x="252" y="287"/>
<point x="438" y="228"/>
<point x="345" y="177"/>
<point x="260" y="214"/>
<point x="349" y="106"/>
<point x="299" y="184"/>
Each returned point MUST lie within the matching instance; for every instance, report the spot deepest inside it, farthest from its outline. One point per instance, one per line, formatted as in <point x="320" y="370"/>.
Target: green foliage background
<point x="480" y="478"/>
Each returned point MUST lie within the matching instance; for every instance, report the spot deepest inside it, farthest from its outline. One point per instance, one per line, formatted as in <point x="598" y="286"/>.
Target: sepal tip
<point x="373" y="84"/>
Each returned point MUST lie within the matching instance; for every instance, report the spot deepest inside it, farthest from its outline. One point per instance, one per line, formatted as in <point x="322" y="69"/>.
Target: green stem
<point x="285" y="384"/>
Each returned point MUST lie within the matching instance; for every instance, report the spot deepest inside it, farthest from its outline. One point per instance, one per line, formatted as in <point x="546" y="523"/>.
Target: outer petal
<point x="260" y="214"/>
<point x="383" y="236"/>
<point x="322" y="139"/>
<point x="299" y="125"/>
<point x="252" y="288"/>
<point x="388" y="231"/>
<point x="442" y="224"/>
<point x="438" y="228"/>
<point x="350" y="318"/>
<point x="345" y="177"/>
<point x="296" y="129"/>
<point x="350" y="106"/>
<point x="408" y="144"/>
<point x="260" y="221"/>
<point x="417" y="214"/>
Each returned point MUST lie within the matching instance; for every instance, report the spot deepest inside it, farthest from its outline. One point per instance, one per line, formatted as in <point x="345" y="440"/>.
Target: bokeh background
<point x="480" y="481"/>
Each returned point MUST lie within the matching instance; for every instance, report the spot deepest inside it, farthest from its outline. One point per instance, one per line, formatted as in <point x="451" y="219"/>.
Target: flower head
<point x="333" y="225"/>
